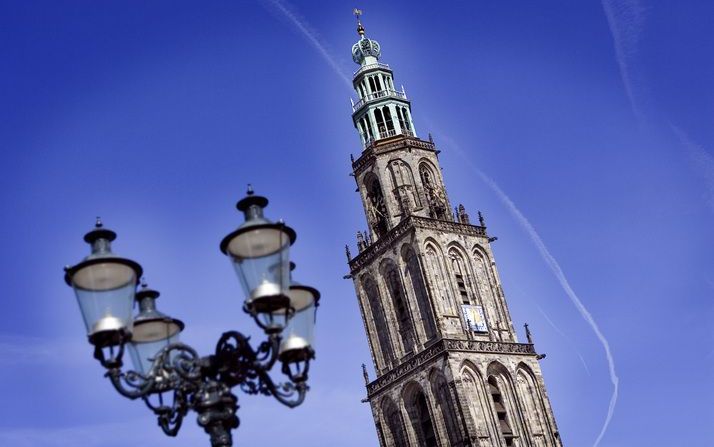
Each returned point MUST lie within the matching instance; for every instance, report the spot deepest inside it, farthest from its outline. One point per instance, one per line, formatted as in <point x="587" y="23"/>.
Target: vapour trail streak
<point x="562" y="334"/>
<point x="550" y="261"/>
<point x="624" y="18"/>
<point x="311" y="36"/>
<point x="560" y="276"/>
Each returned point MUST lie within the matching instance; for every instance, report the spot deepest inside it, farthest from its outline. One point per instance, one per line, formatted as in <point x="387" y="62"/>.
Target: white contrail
<point x="552" y="263"/>
<point x="312" y="37"/>
<point x="702" y="161"/>
<point x="560" y="276"/>
<point x="625" y="19"/>
<point x="567" y="339"/>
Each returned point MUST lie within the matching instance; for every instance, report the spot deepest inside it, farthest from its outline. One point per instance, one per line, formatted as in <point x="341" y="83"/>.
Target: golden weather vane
<point x="358" y="13"/>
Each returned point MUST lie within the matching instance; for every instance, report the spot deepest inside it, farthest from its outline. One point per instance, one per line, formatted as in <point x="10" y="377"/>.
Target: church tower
<point x="450" y="369"/>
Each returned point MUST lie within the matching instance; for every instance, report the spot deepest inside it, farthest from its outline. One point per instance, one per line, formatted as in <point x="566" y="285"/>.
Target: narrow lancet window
<point x="501" y="412"/>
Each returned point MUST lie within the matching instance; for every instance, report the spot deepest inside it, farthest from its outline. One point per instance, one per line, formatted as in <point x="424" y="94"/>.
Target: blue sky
<point x="593" y="119"/>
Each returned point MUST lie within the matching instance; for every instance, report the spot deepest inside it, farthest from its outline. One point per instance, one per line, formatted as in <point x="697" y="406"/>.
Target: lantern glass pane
<point x="105" y="293"/>
<point x="261" y="258"/>
<point x="155" y="336"/>
<point x="300" y="298"/>
<point x="299" y="333"/>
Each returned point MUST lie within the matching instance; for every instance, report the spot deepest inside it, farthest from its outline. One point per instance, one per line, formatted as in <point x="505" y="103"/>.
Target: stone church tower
<point x="450" y="370"/>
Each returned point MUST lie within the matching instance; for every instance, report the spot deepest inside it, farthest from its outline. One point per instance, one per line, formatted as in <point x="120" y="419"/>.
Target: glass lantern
<point x="104" y="285"/>
<point x="296" y="348"/>
<point x="259" y="252"/>
<point x="152" y="332"/>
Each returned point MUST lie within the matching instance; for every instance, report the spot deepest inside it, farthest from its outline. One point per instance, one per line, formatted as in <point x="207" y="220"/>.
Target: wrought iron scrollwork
<point x="180" y="380"/>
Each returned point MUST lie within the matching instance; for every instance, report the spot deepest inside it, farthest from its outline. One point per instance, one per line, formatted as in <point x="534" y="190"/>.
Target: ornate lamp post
<point x="169" y="376"/>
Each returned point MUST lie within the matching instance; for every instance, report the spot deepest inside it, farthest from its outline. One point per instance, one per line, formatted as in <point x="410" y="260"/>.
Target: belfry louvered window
<point x="501" y="411"/>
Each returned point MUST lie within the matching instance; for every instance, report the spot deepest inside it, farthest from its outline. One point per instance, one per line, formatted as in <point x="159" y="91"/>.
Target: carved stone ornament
<point x="434" y="351"/>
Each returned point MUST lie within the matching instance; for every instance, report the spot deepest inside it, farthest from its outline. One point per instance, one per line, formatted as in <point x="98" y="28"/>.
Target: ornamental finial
<point x="360" y="29"/>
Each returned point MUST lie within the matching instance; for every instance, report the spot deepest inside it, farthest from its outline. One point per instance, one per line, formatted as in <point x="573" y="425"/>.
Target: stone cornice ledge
<point x="382" y="244"/>
<point x="443" y="346"/>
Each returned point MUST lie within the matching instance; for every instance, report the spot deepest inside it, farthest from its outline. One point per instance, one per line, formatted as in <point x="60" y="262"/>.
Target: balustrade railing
<point x="367" y="140"/>
<point x="377" y="95"/>
<point x="370" y="67"/>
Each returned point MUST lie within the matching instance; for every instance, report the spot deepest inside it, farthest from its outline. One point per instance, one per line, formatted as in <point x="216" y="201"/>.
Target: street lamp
<point x="169" y="376"/>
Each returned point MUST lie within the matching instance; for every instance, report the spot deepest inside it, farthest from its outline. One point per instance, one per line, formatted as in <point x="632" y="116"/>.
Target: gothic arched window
<point x="457" y="264"/>
<point x="433" y="193"/>
<point x="446" y="405"/>
<point x="422" y="298"/>
<point x="404" y="189"/>
<point x="376" y="207"/>
<point x="401" y="305"/>
<point x="478" y="401"/>
<point x="437" y="269"/>
<point x="395" y="423"/>
<point x="501" y="412"/>
<point x="380" y="321"/>
<point x="532" y="404"/>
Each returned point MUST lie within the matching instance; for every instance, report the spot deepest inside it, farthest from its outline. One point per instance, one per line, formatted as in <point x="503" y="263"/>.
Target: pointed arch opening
<point x="380" y="321"/>
<point x="390" y="274"/>
<point x="376" y="206"/>
<point x="394" y="422"/>
<point x="420" y="416"/>
<point x="532" y="402"/>
<point x="434" y="195"/>
<point x="416" y="278"/>
<point x="435" y="265"/>
<point x="447" y="407"/>
<point x="478" y="400"/>
<point x="500" y="390"/>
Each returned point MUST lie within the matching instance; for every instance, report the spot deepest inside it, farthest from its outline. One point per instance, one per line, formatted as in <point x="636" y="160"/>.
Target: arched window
<point x="379" y="84"/>
<point x="457" y="264"/>
<point x="362" y="131"/>
<point x="388" y="117"/>
<point x="380" y="121"/>
<point x="395" y="423"/>
<point x="416" y="278"/>
<point x="532" y="404"/>
<point x="501" y="411"/>
<point x="434" y="196"/>
<point x="407" y="118"/>
<point x="401" y="118"/>
<point x="446" y="405"/>
<point x="376" y="208"/>
<point x="401" y="305"/>
<point x="420" y="415"/>
<point x="437" y="269"/>
<point x="368" y="124"/>
<point x="380" y="322"/>
<point x="371" y="85"/>
<point x="478" y="402"/>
